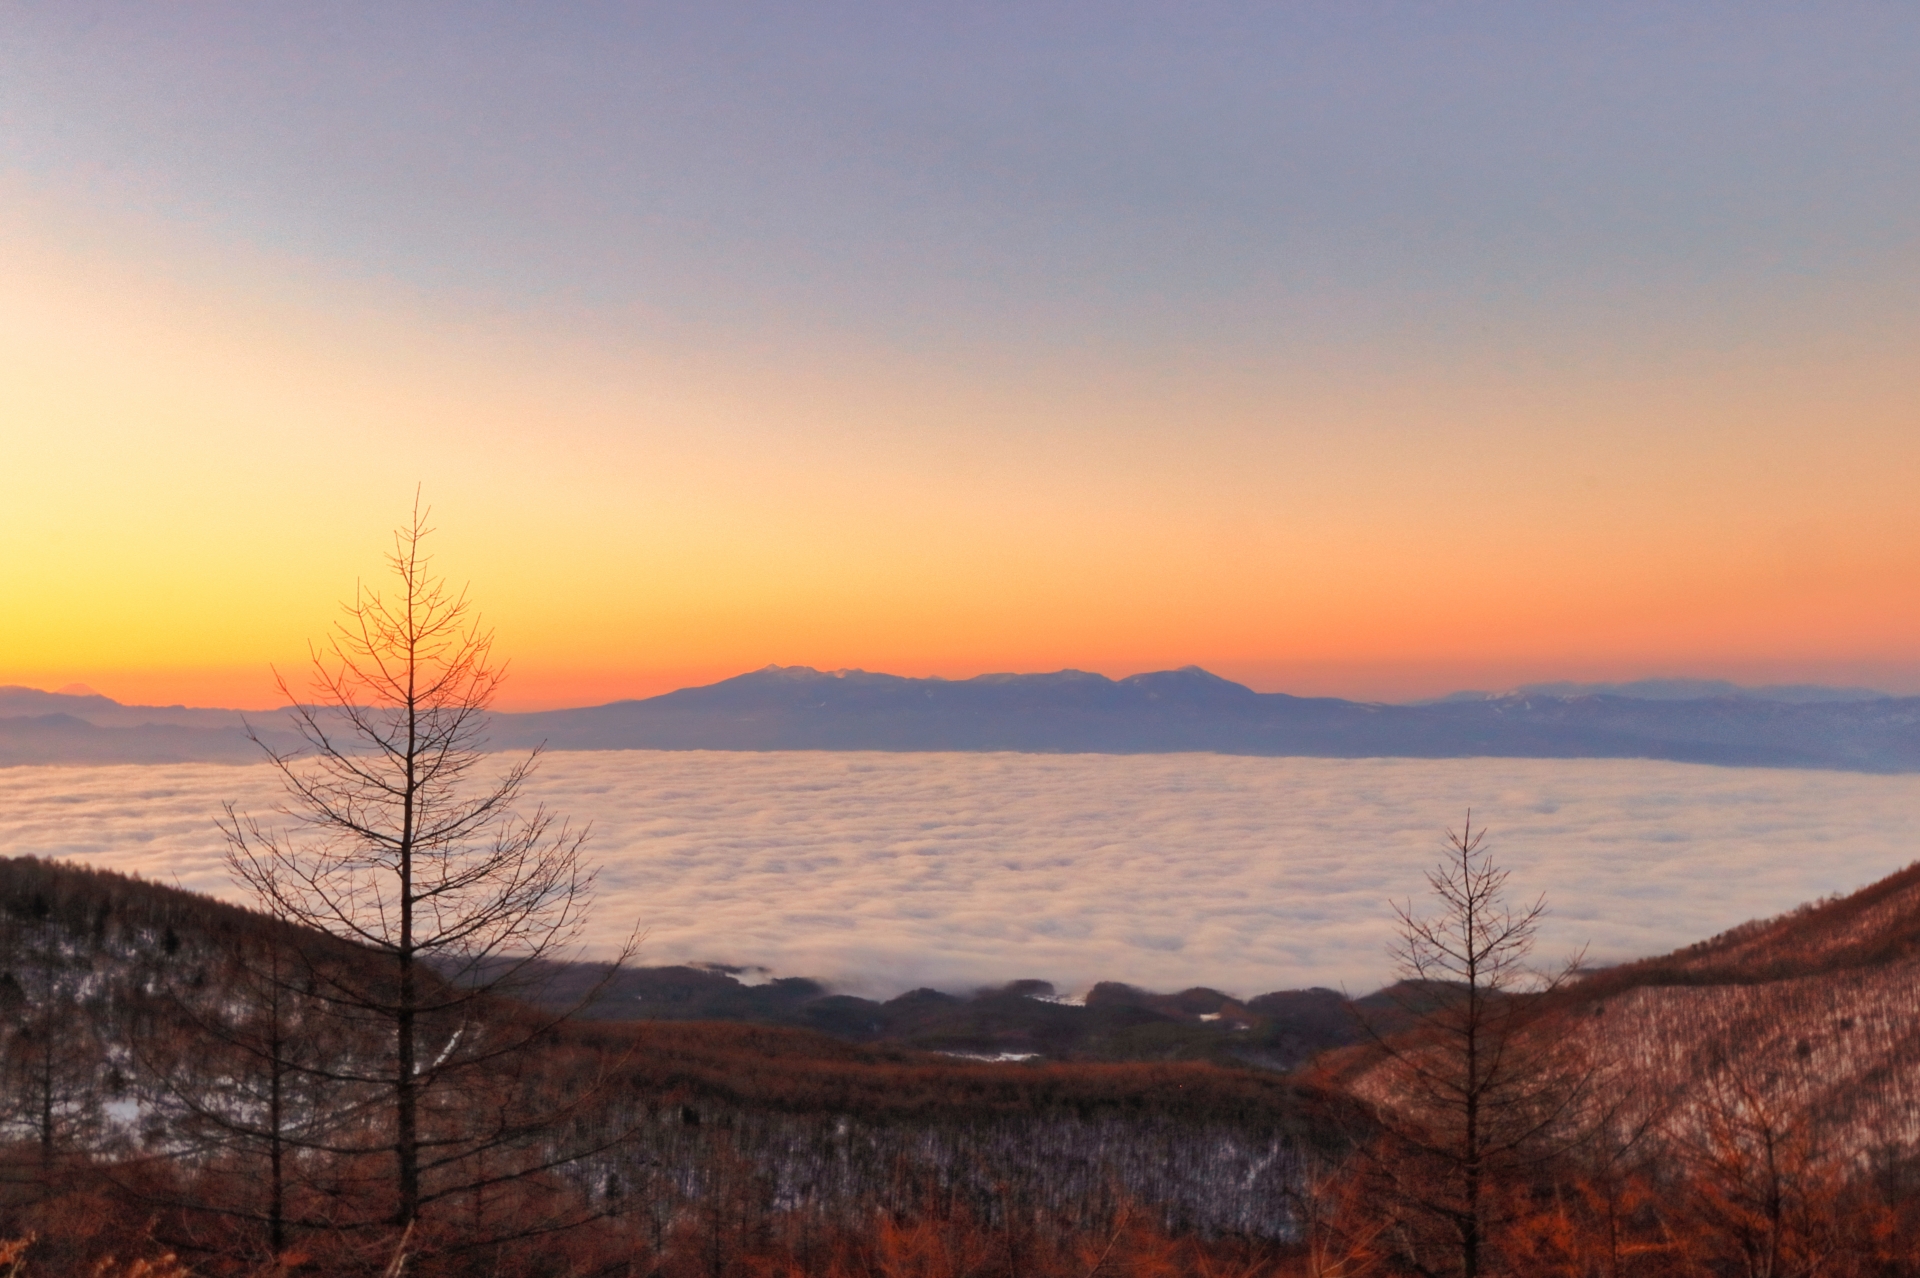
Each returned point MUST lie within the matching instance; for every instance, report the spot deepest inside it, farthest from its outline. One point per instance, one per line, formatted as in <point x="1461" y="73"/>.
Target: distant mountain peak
<point x="1192" y="674"/>
<point x="777" y="671"/>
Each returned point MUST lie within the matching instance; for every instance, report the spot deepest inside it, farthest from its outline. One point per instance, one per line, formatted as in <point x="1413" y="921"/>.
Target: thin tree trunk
<point x="1470" y="1235"/>
<point x="46" y="1108"/>
<point x="407" y="1138"/>
<point x="47" y="1034"/>
<point x="406" y="1084"/>
<point x="276" y="1119"/>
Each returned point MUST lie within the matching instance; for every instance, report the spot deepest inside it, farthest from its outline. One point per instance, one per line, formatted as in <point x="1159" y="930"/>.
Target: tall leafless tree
<point x="396" y="835"/>
<point x="1474" y="1094"/>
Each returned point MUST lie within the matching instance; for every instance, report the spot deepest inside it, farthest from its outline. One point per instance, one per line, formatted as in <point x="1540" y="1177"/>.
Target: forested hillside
<point x="1745" y="1105"/>
<point x="154" y="1061"/>
<point x="174" y="1085"/>
<point x="1810" y="1021"/>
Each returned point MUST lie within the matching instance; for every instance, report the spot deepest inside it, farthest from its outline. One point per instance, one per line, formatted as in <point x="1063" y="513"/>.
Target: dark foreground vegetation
<point x="151" y="1110"/>
<point x="1740" y="1108"/>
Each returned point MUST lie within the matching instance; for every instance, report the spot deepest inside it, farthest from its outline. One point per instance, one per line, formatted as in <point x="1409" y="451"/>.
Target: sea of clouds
<point x="881" y="872"/>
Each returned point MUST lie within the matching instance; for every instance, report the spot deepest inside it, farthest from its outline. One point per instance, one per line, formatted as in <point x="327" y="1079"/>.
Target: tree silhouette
<point x="1476" y="1095"/>
<point x="394" y="838"/>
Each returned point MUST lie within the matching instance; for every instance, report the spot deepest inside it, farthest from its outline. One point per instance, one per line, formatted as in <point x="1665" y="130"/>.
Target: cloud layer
<point x="885" y="871"/>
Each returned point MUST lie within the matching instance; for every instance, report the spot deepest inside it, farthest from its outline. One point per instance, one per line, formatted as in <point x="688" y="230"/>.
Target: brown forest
<point x="1742" y="1107"/>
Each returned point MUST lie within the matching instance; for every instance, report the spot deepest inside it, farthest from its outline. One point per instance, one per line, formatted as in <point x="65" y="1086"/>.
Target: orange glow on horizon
<point x="200" y="468"/>
<point x="252" y="688"/>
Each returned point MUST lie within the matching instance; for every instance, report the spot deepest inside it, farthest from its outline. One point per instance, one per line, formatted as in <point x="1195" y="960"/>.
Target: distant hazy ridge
<point x="796" y="708"/>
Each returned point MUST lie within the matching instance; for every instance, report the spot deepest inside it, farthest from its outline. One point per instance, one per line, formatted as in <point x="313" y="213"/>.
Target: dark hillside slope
<point x="1841" y="1047"/>
<point x="1212" y="1150"/>
<point x="117" y="926"/>
<point x="101" y="963"/>
<point x="1814" y="1015"/>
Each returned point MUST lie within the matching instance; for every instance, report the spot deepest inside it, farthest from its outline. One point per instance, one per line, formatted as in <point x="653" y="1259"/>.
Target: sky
<point x="883" y="872"/>
<point x="1367" y="349"/>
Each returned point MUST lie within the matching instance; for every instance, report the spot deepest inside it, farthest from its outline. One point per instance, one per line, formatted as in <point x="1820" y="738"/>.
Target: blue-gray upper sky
<point x="1067" y="173"/>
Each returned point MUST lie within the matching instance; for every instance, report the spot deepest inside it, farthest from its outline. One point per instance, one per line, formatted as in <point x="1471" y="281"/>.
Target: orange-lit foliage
<point x="957" y="1245"/>
<point x="754" y="1152"/>
<point x="1742" y="1205"/>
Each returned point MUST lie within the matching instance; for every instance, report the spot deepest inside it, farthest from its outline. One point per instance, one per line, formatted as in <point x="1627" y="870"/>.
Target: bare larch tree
<point x="1475" y="1095"/>
<point x="396" y="835"/>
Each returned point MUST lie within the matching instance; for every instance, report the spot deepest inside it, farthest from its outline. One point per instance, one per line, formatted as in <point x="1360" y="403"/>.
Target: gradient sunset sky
<point x="1368" y="349"/>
